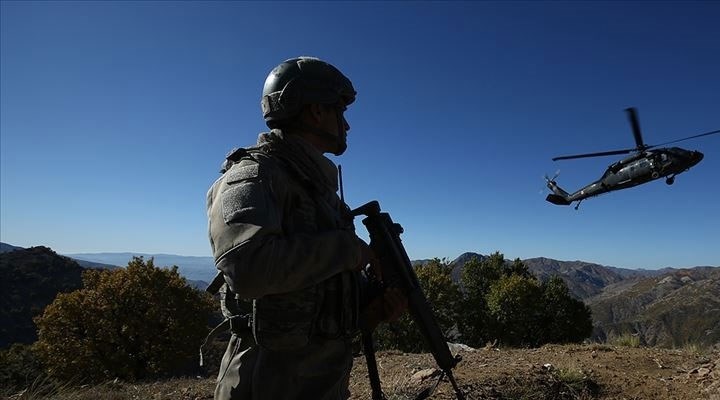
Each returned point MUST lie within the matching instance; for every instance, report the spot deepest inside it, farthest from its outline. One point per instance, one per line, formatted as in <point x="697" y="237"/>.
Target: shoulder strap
<point x="238" y="154"/>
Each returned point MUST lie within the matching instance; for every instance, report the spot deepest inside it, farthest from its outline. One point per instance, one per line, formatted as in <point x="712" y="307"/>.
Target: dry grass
<point x="553" y="372"/>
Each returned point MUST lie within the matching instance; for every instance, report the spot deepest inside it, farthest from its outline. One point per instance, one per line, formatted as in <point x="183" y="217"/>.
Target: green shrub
<point x="19" y="367"/>
<point x="443" y="296"/>
<point x="625" y="340"/>
<point x="133" y="323"/>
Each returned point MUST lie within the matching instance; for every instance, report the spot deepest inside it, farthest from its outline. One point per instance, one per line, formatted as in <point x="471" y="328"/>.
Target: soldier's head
<point x="306" y="94"/>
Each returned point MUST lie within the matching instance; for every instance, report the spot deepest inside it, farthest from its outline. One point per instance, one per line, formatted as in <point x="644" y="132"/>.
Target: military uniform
<point x="286" y="242"/>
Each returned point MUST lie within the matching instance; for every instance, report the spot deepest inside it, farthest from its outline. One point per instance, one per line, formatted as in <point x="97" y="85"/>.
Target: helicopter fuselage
<point x="645" y="164"/>
<point x="638" y="169"/>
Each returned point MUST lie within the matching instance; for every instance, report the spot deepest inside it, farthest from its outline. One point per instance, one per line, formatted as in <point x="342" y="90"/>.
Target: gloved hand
<point x="388" y="307"/>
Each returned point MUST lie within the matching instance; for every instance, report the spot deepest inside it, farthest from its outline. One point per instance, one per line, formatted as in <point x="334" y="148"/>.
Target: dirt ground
<point x="550" y="372"/>
<point x="555" y="372"/>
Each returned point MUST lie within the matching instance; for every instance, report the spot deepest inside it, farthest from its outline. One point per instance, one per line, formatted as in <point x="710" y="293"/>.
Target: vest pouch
<point x="283" y="322"/>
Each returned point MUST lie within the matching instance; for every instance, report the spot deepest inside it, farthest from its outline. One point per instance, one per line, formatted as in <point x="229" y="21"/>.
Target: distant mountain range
<point x="191" y="267"/>
<point x="199" y="271"/>
<point x="668" y="307"/>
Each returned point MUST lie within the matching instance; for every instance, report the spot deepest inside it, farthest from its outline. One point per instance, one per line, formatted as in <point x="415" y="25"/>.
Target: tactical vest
<point x="288" y="321"/>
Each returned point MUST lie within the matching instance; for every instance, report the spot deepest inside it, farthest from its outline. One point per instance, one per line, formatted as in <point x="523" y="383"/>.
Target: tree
<point x="476" y="279"/>
<point x="515" y="306"/>
<point x="444" y="298"/>
<point x="133" y="323"/>
<point x="566" y="319"/>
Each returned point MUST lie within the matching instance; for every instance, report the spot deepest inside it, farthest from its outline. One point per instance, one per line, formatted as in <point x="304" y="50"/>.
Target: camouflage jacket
<point x="283" y="238"/>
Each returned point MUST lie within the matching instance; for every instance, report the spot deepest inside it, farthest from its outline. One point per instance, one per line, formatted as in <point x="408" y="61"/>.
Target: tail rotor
<point x="552" y="180"/>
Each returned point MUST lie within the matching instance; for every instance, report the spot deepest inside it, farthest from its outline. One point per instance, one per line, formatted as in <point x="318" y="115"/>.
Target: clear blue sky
<point x="115" y="117"/>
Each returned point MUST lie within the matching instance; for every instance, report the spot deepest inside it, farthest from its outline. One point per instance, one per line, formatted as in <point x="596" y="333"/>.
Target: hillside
<point x="670" y="310"/>
<point x="573" y="372"/>
<point x="31" y="278"/>
<point x="667" y="307"/>
<point x="584" y="279"/>
<point x="4" y="248"/>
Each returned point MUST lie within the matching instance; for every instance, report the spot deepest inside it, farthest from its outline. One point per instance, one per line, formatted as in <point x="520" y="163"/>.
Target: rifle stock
<point x="398" y="272"/>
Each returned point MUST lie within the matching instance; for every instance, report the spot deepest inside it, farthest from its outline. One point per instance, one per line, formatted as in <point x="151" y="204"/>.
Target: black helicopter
<point x="646" y="164"/>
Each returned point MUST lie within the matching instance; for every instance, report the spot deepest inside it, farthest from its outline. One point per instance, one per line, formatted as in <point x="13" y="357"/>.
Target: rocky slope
<point x="31" y="278"/>
<point x="671" y="310"/>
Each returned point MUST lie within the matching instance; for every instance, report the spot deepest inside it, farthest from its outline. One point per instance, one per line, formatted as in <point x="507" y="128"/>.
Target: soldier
<point x="285" y="243"/>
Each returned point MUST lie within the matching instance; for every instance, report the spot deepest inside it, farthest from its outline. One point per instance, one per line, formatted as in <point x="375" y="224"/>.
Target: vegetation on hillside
<point x="142" y="322"/>
<point x="494" y="301"/>
<point x="31" y="278"/>
<point x="672" y="310"/>
<point x="132" y="323"/>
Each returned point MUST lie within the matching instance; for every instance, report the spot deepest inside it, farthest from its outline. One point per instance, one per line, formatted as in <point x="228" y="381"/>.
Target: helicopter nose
<point x="697" y="157"/>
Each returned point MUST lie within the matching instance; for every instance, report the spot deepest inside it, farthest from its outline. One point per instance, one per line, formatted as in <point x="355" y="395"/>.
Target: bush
<point x="476" y="278"/>
<point x="566" y="319"/>
<point x="133" y="323"/>
<point x="443" y="297"/>
<point x="625" y="340"/>
<point x="504" y="302"/>
<point x="513" y="302"/>
<point x="19" y="367"/>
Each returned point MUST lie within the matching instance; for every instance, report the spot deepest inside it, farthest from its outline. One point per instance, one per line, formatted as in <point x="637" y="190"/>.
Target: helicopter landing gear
<point x="670" y="180"/>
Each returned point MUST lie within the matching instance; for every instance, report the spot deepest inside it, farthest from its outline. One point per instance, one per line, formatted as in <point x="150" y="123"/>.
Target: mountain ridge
<point x="202" y="268"/>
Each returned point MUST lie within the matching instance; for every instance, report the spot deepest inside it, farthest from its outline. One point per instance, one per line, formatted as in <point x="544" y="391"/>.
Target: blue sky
<point x="115" y="116"/>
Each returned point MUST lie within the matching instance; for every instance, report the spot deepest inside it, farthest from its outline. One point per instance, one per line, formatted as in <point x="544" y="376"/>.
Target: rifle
<point x="397" y="271"/>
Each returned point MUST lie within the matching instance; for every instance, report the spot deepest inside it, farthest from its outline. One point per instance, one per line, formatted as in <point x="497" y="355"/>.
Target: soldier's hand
<point x="388" y="307"/>
<point x="366" y="255"/>
<point x="394" y="304"/>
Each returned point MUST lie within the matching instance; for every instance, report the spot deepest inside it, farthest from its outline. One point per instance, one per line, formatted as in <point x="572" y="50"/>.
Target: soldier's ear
<point x="318" y="111"/>
<point x="312" y="114"/>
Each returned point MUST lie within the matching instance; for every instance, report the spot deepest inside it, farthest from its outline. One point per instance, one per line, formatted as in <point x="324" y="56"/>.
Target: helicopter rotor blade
<point x="600" y="154"/>
<point x="548" y="179"/>
<point x="687" y="138"/>
<point x="632" y="115"/>
<point x="544" y="189"/>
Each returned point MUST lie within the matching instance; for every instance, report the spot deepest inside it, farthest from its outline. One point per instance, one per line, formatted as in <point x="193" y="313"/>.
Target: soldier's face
<point x="335" y="124"/>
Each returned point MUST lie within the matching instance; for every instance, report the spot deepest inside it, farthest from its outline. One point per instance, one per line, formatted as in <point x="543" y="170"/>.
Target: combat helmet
<point x="300" y="81"/>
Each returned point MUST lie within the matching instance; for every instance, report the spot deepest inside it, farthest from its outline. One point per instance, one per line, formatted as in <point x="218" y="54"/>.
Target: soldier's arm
<point x="246" y="209"/>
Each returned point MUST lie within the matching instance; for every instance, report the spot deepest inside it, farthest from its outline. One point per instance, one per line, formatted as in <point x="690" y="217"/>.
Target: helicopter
<point x="647" y="163"/>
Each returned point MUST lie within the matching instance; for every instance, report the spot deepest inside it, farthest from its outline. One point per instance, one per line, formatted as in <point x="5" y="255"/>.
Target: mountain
<point x="191" y="267"/>
<point x="458" y="263"/>
<point x="668" y="307"/>
<point x="669" y="310"/>
<point x="93" y="265"/>
<point x="31" y="278"/>
<point x="4" y="248"/>
<point x="197" y="270"/>
<point x="584" y="279"/>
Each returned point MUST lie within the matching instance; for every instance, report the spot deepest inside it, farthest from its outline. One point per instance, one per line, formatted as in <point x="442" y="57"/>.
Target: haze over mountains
<point x="191" y="267"/>
<point x="669" y="307"/>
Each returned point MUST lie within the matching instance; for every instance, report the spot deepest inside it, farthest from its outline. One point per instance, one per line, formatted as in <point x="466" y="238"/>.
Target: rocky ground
<point x="549" y="372"/>
<point x="556" y="372"/>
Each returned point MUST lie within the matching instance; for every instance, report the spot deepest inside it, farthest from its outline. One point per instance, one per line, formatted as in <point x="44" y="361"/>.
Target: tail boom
<point x="557" y="199"/>
<point x="558" y="196"/>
